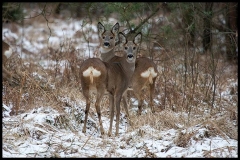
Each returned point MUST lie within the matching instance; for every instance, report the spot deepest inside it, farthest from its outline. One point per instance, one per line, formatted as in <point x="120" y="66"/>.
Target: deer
<point x="93" y="76"/>
<point x="144" y="77"/>
<point x="143" y="65"/>
<point x="108" y="41"/>
<point x="113" y="77"/>
<point x="107" y="45"/>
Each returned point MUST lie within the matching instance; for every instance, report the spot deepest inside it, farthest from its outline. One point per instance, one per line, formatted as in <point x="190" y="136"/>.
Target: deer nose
<point x="106" y="44"/>
<point x="130" y="56"/>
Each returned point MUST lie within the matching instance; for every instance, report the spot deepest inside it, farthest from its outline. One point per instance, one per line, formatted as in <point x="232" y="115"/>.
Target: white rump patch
<point x="8" y="53"/>
<point x="149" y="72"/>
<point x="91" y="71"/>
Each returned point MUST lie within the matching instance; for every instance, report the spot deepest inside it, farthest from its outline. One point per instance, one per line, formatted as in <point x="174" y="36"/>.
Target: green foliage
<point x="208" y="13"/>
<point x="167" y="29"/>
<point x="126" y="11"/>
<point x="170" y="34"/>
<point x="183" y="6"/>
<point x="12" y="11"/>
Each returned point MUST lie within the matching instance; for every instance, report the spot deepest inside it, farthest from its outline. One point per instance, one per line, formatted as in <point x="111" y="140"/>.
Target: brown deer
<point x="144" y="77"/>
<point x="122" y="80"/>
<point x="145" y="72"/>
<point x="108" y="41"/>
<point x="113" y="76"/>
<point x="93" y="76"/>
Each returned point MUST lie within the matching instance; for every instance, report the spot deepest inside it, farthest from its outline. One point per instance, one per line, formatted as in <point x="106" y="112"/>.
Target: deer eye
<point x="126" y="48"/>
<point x="103" y="37"/>
<point x="134" y="48"/>
<point x="111" y="37"/>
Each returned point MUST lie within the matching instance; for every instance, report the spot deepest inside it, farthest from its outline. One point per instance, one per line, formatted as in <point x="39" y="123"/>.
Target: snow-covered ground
<point x="36" y="134"/>
<point x="44" y="132"/>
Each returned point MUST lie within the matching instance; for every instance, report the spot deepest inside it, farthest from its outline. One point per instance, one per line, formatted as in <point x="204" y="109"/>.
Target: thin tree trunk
<point x="207" y="36"/>
<point x="231" y="17"/>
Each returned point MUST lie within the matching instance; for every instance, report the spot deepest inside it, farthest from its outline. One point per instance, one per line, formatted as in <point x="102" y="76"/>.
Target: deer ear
<point x="115" y="28"/>
<point x="101" y="28"/>
<point x="138" y="38"/>
<point x="122" y="38"/>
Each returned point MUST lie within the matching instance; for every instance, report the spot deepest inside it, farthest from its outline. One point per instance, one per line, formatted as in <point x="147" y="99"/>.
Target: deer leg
<point x="98" y="109"/>
<point x="86" y="111"/>
<point x="111" y="107"/>
<point x="125" y="104"/>
<point x="138" y="95"/>
<point x="151" y="95"/>
<point x="117" y="100"/>
<point x="140" y="102"/>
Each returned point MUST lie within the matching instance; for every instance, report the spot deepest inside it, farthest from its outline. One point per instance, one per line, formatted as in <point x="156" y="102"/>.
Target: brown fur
<point x="98" y="83"/>
<point x="107" y="41"/>
<point x="139" y="83"/>
<point x="119" y="71"/>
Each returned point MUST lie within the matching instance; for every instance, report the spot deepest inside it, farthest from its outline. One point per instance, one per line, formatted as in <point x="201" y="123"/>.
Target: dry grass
<point x="178" y="90"/>
<point x="189" y="91"/>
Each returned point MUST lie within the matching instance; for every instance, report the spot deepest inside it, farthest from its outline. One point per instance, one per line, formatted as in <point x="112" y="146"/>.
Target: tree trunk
<point x="207" y="20"/>
<point x="231" y="17"/>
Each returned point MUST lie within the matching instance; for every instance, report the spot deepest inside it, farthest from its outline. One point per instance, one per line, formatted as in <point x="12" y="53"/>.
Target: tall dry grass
<point x="189" y="90"/>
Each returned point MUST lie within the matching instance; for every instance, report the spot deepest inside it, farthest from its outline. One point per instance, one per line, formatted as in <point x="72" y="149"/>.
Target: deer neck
<point x="128" y="70"/>
<point x="106" y="54"/>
